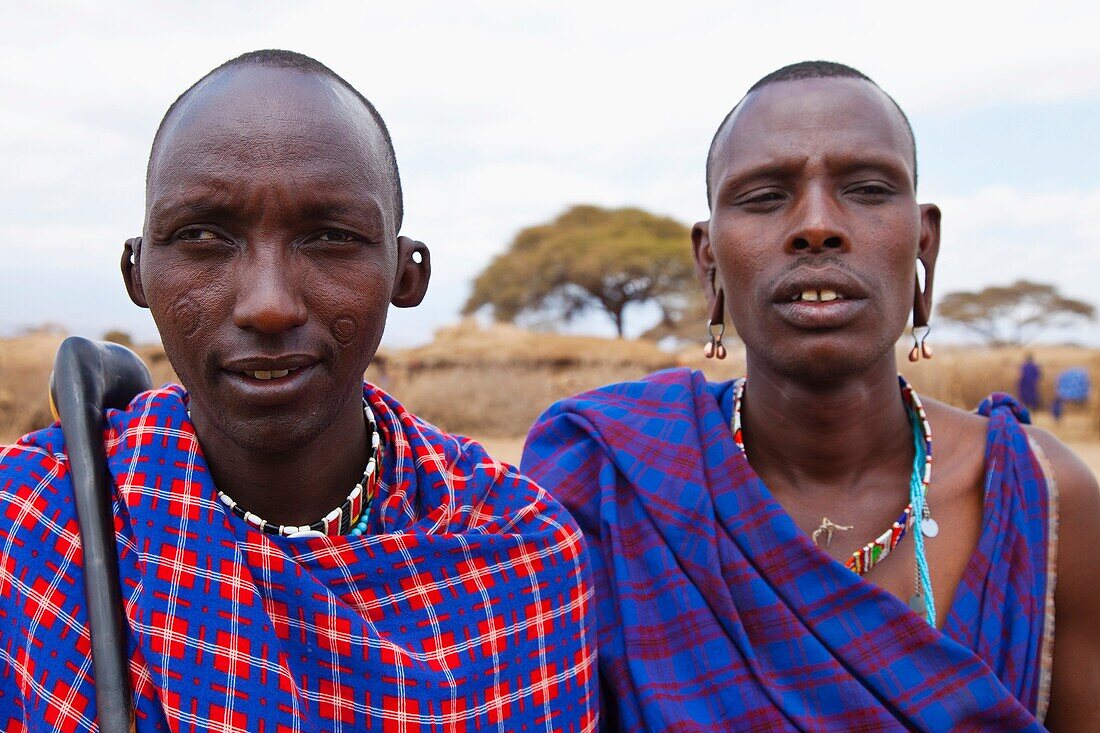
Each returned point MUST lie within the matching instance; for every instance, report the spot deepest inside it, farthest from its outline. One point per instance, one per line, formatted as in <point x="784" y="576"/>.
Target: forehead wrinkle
<point x="211" y="194"/>
<point x="318" y="121"/>
<point x="217" y="198"/>
<point x="213" y="147"/>
<point x="722" y="155"/>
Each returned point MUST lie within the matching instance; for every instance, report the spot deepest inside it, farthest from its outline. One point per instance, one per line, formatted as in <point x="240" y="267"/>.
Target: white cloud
<point x="998" y="235"/>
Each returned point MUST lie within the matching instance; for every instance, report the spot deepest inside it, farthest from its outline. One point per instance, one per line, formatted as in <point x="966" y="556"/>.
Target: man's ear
<point x="414" y="269"/>
<point x="706" y="266"/>
<point x="131" y="271"/>
<point x="926" y="255"/>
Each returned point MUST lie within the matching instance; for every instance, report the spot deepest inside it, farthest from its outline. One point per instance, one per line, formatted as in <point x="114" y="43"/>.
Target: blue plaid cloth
<point x="716" y="612"/>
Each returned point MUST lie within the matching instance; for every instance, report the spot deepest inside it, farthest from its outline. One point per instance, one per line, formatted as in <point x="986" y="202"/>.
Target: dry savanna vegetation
<point x="492" y="383"/>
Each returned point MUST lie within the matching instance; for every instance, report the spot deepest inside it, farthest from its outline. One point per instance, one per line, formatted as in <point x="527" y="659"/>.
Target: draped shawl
<point x="464" y="607"/>
<point x="716" y="612"/>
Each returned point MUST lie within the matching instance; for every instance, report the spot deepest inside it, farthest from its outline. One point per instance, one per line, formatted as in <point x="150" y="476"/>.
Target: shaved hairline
<point x="797" y="72"/>
<point x="280" y="59"/>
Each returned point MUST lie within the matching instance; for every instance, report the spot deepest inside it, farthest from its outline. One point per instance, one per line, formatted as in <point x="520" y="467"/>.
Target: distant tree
<point x="1014" y="314"/>
<point x="119" y="337"/>
<point x="590" y="258"/>
<point x="685" y="322"/>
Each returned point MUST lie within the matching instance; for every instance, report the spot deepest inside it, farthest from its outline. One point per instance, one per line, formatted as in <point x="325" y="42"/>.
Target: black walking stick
<point x="88" y="377"/>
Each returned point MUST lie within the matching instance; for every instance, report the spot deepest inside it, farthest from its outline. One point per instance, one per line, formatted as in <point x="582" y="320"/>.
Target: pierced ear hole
<point x="921" y="274"/>
<point x="417" y="258"/>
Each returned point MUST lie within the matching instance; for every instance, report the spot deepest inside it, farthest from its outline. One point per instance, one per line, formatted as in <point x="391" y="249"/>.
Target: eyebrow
<point x="787" y="168"/>
<point x="891" y="165"/>
<point x="321" y="209"/>
<point x="216" y="204"/>
<point x="191" y="207"/>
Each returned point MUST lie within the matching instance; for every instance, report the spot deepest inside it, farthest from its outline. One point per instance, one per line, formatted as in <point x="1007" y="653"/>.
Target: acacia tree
<point x="1015" y="314"/>
<point x="590" y="258"/>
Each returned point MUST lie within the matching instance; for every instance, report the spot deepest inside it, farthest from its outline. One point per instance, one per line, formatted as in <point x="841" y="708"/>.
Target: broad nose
<point x="269" y="298"/>
<point x="818" y="224"/>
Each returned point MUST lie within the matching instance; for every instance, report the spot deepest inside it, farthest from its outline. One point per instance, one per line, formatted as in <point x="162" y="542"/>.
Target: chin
<point x="271" y="435"/>
<point x="822" y="363"/>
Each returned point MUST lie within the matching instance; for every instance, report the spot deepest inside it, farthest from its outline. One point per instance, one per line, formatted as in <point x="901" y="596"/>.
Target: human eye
<point x="196" y="234"/>
<point x="873" y="191"/>
<point x="335" y="236"/>
<point x="761" y="199"/>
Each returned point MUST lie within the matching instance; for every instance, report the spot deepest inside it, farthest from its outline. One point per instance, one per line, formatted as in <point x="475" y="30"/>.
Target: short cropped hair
<point x="796" y="72"/>
<point x="279" y="59"/>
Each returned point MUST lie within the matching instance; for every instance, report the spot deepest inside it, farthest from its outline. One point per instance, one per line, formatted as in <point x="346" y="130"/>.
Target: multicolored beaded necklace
<point x="348" y="518"/>
<point x="862" y="560"/>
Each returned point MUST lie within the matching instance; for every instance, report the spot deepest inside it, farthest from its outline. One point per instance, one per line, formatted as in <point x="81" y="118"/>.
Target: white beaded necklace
<point x="348" y="518"/>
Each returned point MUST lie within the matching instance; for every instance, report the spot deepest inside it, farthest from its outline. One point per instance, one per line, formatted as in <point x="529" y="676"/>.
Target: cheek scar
<point x="344" y="329"/>
<point x="187" y="313"/>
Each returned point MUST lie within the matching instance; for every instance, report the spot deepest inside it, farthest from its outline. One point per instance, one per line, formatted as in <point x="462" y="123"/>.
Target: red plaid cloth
<point x="464" y="608"/>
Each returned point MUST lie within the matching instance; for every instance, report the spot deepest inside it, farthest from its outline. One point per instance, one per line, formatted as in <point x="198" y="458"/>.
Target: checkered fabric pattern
<point x="465" y="607"/>
<point x="715" y="612"/>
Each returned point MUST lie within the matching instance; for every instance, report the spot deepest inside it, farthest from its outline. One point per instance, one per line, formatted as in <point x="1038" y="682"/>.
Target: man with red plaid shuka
<point x="298" y="552"/>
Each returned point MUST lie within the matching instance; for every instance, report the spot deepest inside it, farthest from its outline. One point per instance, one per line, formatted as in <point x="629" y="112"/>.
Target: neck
<point x="843" y="435"/>
<point x="296" y="486"/>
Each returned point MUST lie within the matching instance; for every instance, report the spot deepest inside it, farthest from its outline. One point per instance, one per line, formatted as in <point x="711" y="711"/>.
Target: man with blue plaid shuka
<point x="774" y="552"/>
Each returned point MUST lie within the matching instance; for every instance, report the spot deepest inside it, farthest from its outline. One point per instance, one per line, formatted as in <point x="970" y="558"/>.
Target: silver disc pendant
<point x="916" y="603"/>
<point x="929" y="528"/>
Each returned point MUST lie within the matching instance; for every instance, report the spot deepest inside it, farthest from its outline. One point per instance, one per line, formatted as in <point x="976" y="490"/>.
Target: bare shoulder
<point x="961" y="423"/>
<point x="1074" y="704"/>
<point x="959" y="438"/>
<point x="1078" y="507"/>
<point x="1077" y="486"/>
<point x="1078" y="498"/>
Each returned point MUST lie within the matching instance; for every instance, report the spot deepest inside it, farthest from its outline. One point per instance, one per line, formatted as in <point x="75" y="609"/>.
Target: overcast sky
<point x="504" y="113"/>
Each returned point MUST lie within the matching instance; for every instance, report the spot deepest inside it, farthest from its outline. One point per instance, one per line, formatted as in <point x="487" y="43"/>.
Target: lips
<point x="270" y="379"/>
<point x="269" y="367"/>
<point x="818" y="285"/>
<point x="819" y="298"/>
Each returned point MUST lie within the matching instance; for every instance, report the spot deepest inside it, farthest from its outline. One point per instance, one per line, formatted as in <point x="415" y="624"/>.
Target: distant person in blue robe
<point x="1028" y="388"/>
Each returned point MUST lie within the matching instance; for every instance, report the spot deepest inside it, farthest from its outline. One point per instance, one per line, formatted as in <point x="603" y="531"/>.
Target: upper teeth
<point x="273" y="374"/>
<point x="816" y="295"/>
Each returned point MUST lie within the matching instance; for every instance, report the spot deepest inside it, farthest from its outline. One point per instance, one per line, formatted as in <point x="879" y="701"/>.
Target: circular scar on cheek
<point x="187" y="315"/>
<point x="344" y="329"/>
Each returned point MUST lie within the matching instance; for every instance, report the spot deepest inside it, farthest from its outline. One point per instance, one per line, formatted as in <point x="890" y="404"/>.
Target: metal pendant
<point x="916" y="603"/>
<point x="929" y="527"/>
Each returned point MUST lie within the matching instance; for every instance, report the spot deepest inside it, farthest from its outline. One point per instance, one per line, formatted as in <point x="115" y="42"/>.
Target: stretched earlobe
<point x="414" y="269"/>
<point x="705" y="263"/>
<point x="716" y="324"/>
<point x="131" y="271"/>
<point x="929" y="249"/>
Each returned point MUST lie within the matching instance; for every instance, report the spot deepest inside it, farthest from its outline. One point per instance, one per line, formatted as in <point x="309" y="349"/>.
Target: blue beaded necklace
<point x="866" y="557"/>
